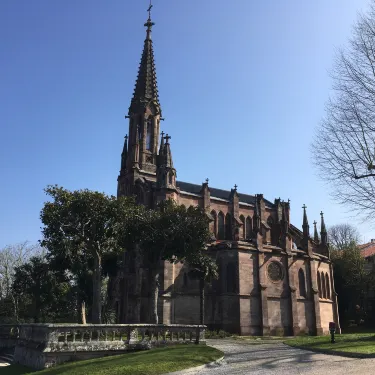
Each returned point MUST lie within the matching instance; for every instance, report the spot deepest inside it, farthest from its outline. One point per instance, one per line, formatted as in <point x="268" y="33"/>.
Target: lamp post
<point x="332" y="330"/>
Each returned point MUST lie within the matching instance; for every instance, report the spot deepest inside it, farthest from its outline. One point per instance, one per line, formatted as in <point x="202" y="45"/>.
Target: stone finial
<point x="323" y="230"/>
<point x="305" y="224"/>
<point x="316" y="236"/>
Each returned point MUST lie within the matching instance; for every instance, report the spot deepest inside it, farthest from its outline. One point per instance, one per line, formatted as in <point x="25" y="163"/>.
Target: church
<point x="274" y="279"/>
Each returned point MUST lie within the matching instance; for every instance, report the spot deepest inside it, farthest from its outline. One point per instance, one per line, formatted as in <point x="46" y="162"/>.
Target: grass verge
<point x="150" y="362"/>
<point x="353" y="345"/>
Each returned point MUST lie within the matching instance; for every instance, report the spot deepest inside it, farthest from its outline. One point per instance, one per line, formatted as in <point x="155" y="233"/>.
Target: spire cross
<point x="149" y="10"/>
<point x="162" y="134"/>
<point x="321" y="213"/>
<point x="235" y="187"/>
<point x="304" y="207"/>
<point x="207" y="180"/>
<point x="315" y="223"/>
<point x="167" y="138"/>
<point x="126" y="137"/>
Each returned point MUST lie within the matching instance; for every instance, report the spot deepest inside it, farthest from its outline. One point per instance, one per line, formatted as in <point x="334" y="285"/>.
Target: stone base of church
<point x="256" y="294"/>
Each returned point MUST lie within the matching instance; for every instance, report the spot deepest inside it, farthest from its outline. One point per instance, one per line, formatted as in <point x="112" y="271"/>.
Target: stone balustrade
<point x="8" y="335"/>
<point x="44" y="345"/>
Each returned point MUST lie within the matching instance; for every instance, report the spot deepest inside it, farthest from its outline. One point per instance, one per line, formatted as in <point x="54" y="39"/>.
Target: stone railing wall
<point x="44" y="345"/>
<point x="8" y="335"/>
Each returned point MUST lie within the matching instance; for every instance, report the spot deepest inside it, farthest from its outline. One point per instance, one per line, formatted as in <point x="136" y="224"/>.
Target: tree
<point x="351" y="279"/>
<point x="205" y="270"/>
<point x="45" y="294"/>
<point x="344" y="145"/>
<point x="11" y="257"/>
<point x="169" y="233"/>
<point x="81" y="227"/>
<point x="341" y="236"/>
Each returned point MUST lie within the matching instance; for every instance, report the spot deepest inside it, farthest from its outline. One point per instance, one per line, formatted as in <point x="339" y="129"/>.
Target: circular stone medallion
<point x="275" y="271"/>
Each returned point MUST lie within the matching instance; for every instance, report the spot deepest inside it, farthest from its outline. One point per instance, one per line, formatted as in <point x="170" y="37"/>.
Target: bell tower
<point x="140" y="153"/>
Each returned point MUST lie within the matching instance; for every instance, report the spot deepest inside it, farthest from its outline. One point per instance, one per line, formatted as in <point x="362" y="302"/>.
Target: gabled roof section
<point x="218" y="193"/>
<point x="367" y="249"/>
<point x="146" y="88"/>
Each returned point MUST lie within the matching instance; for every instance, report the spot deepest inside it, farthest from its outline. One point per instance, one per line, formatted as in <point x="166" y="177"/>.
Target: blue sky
<point x="242" y="86"/>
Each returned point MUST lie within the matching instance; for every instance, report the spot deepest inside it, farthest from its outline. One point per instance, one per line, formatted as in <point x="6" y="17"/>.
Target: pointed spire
<point x="161" y="148"/>
<point x="316" y="236"/>
<point x="124" y="155"/>
<point x="146" y="89"/>
<point x="305" y="224"/>
<point x="165" y="172"/>
<point x="166" y="159"/>
<point x="323" y="230"/>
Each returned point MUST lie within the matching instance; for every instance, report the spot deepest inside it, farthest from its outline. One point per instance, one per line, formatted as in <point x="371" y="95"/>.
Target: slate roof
<point x="217" y="193"/>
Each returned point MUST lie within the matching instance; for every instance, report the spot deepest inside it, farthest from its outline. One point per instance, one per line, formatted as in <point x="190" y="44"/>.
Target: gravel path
<point x="249" y="357"/>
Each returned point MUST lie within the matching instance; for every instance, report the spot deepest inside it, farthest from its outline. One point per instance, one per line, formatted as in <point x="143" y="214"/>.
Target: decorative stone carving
<point x="275" y="271"/>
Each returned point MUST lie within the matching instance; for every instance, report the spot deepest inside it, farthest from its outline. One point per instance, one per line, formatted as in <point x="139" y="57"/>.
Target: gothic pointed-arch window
<point x="242" y="228"/>
<point x="328" y="291"/>
<point x="228" y="226"/>
<point x="248" y="228"/>
<point x="324" y="291"/>
<point x="301" y="283"/>
<point x="319" y="284"/>
<point x="220" y="226"/>
<point x="149" y="134"/>
<point x="214" y="223"/>
<point x="231" y="278"/>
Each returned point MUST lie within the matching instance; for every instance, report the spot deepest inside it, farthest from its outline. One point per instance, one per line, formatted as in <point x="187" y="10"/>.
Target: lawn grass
<point x="355" y="343"/>
<point x="149" y="362"/>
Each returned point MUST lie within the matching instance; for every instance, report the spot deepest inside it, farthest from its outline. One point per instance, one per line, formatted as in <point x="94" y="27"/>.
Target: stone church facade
<point x="273" y="277"/>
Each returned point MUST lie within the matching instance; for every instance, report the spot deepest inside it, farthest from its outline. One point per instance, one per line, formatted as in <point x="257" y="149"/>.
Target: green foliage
<point x="169" y="233"/>
<point x="351" y="280"/>
<point x="45" y="295"/>
<point x="80" y="229"/>
<point x="347" y="343"/>
<point x="11" y="257"/>
<point x="80" y="222"/>
<point x="151" y="362"/>
<point x="84" y="233"/>
<point x="220" y="334"/>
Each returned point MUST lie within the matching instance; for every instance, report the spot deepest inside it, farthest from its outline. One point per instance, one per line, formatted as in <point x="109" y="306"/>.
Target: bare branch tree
<point x="341" y="236"/>
<point x="344" y="144"/>
<point x="13" y="256"/>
